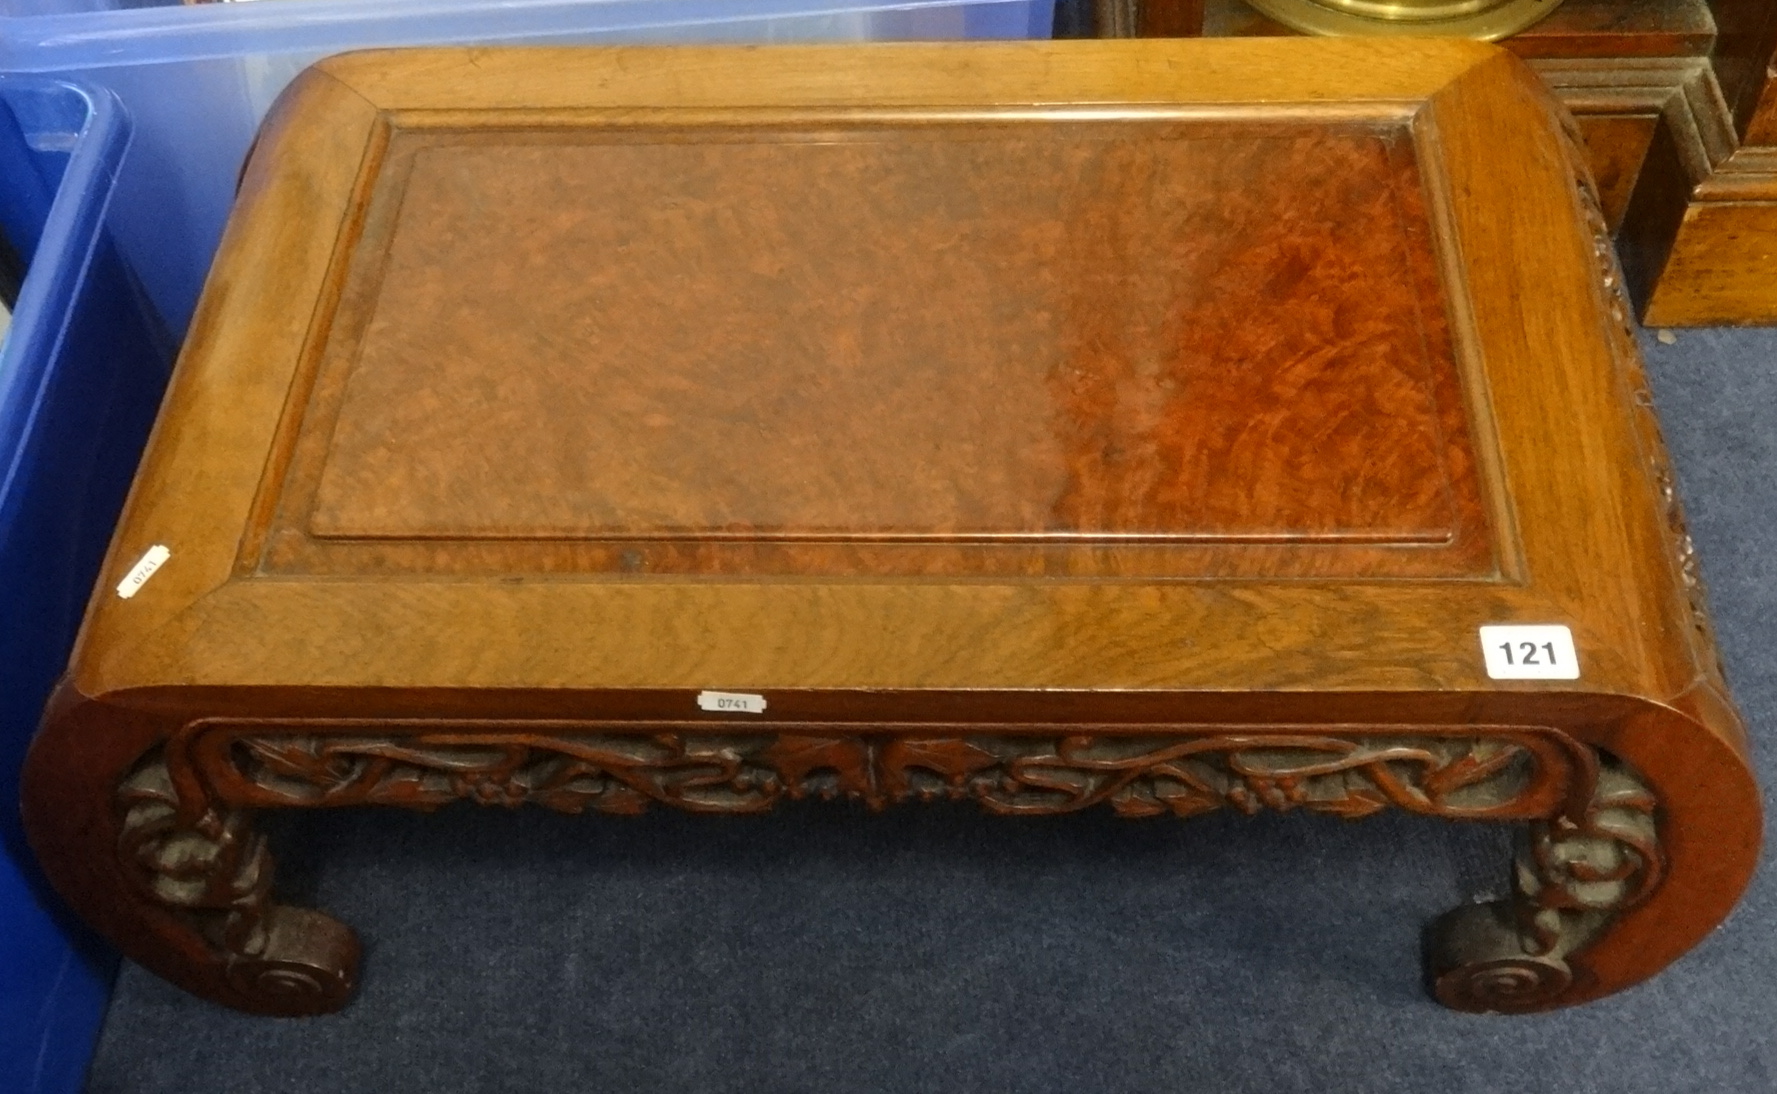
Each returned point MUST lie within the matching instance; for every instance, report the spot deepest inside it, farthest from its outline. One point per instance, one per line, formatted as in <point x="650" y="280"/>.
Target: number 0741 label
<point x="1523" y="651"/>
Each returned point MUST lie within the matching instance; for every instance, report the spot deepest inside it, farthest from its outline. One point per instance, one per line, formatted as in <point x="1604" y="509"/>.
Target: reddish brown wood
<point x="1163" y="447"/>
<point x="1170" y="18"/>
<point x="1693" y="196"/>
<point x="1617" y="150"/>
<point x="1611" y="28"/>
<point x="1651" y="214"/>
<point x="1074" y="390"/>
<point x="1743" y="55"/>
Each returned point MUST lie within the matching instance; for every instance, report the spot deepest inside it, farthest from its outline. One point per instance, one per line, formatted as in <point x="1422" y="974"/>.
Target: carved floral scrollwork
<point x="211" y="864"/>
<point x="1600" y="862"/>
<point x="1627" y="353"/>
<point x="1513" y="777"/>
<point x="567" y="774"/>
<point x="1344" y="777"/>
<point x="1593" y="851"/>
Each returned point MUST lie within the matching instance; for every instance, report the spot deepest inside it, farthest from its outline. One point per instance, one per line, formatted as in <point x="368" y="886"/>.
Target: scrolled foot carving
<point x="1577" y="872"/>
<point x="1478" y="963"/>
<point x="306" y="965"/>
<point x="206" y="865"/>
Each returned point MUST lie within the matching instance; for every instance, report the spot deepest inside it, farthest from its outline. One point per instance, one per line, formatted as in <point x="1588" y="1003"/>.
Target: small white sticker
<point x="144" y="568"/>
<point x="1522" y="651"/>
<point x="730" y="702"/>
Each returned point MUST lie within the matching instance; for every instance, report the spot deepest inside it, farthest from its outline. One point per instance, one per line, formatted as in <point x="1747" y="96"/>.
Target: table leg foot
<point x="1576" y="873"/>
<point x="209" y="868"/>
<point x="1475" y="960"/>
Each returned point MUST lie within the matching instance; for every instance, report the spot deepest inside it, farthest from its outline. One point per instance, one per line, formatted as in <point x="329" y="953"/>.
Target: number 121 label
<point x="1519" y="651"/>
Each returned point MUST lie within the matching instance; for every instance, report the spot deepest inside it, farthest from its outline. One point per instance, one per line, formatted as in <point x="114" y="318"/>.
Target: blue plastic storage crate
<point x="198" y="79"/>
<point x="82" y="369"/>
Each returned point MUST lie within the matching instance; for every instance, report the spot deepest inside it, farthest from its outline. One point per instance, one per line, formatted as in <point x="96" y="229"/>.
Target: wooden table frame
<point x="236" y="679"/>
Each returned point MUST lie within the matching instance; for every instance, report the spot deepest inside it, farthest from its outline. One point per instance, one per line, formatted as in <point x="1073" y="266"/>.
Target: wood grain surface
<point x="1007" y="420"/>
<point x="1678" y="105"/>
<point x="679" y="347"/>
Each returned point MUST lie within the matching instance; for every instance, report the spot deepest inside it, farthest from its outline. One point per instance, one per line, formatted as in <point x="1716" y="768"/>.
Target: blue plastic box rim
<point x="45" y="305"/>
<point x="54" y="980"/>
<point x="177" y="32"/>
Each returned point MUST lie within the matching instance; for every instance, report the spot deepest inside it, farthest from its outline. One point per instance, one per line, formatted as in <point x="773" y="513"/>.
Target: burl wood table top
<point x="1149" y="424"/>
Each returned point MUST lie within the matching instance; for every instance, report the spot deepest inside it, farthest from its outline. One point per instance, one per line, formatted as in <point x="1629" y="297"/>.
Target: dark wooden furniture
<point x="1145" y="424"/>
<point x="1679" y="111"/>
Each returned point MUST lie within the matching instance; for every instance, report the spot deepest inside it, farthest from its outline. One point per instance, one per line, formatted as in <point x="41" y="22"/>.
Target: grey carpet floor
<point x="935" y="949"/>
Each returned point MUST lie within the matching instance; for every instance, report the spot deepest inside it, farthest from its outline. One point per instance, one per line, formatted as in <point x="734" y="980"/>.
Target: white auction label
<point x="144" y="568"/>
<point x="1530" y="651"/>
<point x="731" y="702"/>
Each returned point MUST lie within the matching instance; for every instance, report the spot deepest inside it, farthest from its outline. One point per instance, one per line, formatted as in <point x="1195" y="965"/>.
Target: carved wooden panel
<point x="1485" y="773"/>
<point x="1593" y="853"/>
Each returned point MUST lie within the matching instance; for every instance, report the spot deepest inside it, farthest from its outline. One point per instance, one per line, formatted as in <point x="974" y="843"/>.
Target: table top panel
<point x="1455" y="288"/>
<point x="1153" y="346"/>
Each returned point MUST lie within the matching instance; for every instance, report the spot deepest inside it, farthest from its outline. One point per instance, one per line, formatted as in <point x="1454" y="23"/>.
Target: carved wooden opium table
<point x="1150" y="425"/>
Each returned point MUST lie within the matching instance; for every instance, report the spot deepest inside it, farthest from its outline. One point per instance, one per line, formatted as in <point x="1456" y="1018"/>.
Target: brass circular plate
<point x="1407" y="17"/>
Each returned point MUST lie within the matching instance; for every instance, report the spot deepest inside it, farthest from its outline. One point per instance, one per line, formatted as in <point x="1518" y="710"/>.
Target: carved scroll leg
<point x="206" y="865"/>
<point x="1577" y="873"/>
